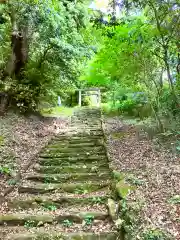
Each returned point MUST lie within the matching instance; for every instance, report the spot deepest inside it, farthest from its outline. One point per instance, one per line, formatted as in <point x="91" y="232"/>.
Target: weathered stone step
<point x="43" y="235"/>
<point x="66" y="161"/>
<point x="75" y="187"/>
<point x="70" y="151"/>
<point x="71" y="155"/>
<point x="95" y="125"/>
<point x="25" y="202"/>
<point x="89" y="125"/>
<point x="90" y="134"/>
<point x="84" y="128"/>
<point x="21" y="219"/>
<point x="63" y="178"/>
<point x="86" y="116"/>
<point x="78" y="145"/>
<point x="73" y="168"/>
<point x="77" y="141"/>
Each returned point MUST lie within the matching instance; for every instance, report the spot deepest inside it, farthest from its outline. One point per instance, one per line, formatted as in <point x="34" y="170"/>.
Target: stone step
<point x="90" y="134"/>
<point x="76" y="155"/>
<point x="87" y="116"/>
<point x="93" y="126"/>
<point x="73" y="168"/>
<point x="74" y="145"/>
<point x="85" y="128"/>
<point x="66" y="161"/>
<point x="89" y="124"/>
<point x="26" y="201"/>
<point x="43" y="235"/>
<point x="76" y="217"/>
<point x="76" y="150"/>
<point x="64" y="178"/>
<point x="75" y="187"/>
<point x="77" y="141"/>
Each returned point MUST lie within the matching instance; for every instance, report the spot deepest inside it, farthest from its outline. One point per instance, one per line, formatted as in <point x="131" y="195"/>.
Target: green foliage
<point x="130" y="218"/>
<point x="30" y="224"/>
<point x="118" y="176"/>
<point x="88" y="220"/>
<point x="5" y="170"/>
<point x="67" y="223"/>
<point x="80" y="191"/>
<point x="97" y="200"/>
<point x="49" y="207"/>
<point x="59" y="44"/>
<point x="135" y="181"/>
<point x="12" y="182"/>
<point x="127" y="106"/>
<point x="138" y="55"/>
<point x="175" y="199"/>
<point x="155" y="234"/>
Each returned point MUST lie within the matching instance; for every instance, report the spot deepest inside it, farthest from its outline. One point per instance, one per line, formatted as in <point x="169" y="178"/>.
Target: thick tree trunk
<point x="19" y="46"/>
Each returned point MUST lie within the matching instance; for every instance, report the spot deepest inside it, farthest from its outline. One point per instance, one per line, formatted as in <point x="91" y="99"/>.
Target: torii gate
<point x="96" y="92"/>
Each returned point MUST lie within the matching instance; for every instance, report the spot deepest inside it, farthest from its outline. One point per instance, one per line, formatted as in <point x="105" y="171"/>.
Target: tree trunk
<point x="170" y="79"/>
<point x="4" y="99"/>
<point x="19" y="47"/>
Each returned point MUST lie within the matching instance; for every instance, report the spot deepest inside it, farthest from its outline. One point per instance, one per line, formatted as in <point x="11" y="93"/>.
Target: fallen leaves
<point x="23" y="138"/>
<point x="156" y="168"/>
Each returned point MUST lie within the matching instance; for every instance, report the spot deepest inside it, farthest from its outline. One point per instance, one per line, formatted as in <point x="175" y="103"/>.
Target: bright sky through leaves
<point x="100" y="4"/>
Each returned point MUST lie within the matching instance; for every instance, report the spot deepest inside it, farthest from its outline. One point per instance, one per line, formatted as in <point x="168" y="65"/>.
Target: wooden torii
<point x="88" y="92"/>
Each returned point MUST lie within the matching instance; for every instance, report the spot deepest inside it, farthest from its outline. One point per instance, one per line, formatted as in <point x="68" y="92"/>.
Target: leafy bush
<point x="168" y="103"/>
<point x="127" y="106"/>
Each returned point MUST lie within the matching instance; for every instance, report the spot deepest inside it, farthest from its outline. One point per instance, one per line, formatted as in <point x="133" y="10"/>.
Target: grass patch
<point x="57" y="112"/>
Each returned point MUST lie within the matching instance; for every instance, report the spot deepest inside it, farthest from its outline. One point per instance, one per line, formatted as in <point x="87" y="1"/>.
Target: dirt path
<point x="64" y="195"/>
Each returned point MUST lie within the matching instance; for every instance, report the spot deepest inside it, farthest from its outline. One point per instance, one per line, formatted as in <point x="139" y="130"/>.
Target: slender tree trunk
<point x="161" y="79"/>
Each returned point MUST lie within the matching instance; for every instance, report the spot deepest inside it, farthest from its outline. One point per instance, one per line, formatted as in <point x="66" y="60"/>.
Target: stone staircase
<point x="65" y="194"/>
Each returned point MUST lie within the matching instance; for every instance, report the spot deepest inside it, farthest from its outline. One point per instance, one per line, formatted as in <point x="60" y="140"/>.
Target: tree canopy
<point x="51" y="47"/>
<point x="45" y="46"/>
<point x="140" y="53"/>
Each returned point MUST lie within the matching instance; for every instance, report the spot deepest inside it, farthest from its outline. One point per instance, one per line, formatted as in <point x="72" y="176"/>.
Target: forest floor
<point x="154" y="170"/>
<point x="21" y="139"/>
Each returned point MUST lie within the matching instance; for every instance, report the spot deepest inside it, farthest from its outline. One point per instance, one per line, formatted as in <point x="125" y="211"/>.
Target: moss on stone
<point x="63" y="178"/>
<point x="74" y="168"/>
<point x="70" y="188"/>
<point x="66" y="161"/>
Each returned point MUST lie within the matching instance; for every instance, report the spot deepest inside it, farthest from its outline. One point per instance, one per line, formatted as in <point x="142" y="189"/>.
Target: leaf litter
<point x="23" y="138"/>
<point x="157" y="169"/>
